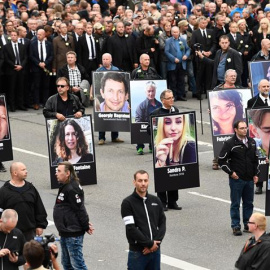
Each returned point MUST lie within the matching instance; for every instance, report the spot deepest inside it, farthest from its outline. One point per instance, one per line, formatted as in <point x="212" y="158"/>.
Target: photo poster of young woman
<point x="226" y="107"/>
<point x="258" y="121"/>
<point x="72" y="140"/>
<point x="6" y="152"/>
<point x="144" y="99"/>
<point x="175" y="155"/>
<point x="111" y="101"/>
<point x="258" y="70"/>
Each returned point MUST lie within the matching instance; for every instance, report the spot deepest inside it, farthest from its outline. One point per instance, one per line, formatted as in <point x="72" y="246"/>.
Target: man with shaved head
<point x="22" y="196"/>
<point x="11" y="241"/>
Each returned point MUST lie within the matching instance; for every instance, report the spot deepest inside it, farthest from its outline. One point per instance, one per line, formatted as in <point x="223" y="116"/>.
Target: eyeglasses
<point x="250" y="222"/>
<point x="60" y="85"/>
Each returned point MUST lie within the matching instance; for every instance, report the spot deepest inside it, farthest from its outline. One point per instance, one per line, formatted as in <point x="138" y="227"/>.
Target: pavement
<point x="198" y="237"/>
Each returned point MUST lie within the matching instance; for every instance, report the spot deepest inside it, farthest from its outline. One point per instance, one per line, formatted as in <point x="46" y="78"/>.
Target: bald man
<point x="263" y="54"/>
<point x="22" y="196"/>
<point x="11" y="240"/>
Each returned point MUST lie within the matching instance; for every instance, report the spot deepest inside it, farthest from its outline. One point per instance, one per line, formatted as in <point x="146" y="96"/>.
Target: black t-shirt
<point x="64" y="107"/>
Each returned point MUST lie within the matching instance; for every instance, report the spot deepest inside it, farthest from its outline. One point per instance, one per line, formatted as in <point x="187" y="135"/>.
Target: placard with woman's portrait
<point x="72" y="140"/>
<point x="175" y="154"/>
<point x="226" y="107"/>
<point x="6" y="152"/>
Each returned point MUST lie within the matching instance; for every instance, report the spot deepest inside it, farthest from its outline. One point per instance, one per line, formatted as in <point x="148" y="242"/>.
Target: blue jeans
<point x="245" y="190"/>
<point x="138" y="261"/>
<point x="101" y="135"/>
<point x="72" y="256"/>
<point x="191" y="78"/>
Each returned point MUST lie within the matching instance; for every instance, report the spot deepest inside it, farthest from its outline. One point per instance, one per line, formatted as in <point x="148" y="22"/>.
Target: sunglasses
<point x="60" y="85"/>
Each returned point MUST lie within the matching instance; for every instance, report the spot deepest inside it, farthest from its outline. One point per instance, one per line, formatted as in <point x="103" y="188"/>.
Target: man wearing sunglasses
<point x="64" y="103"/>
<point x="256" y="252"/>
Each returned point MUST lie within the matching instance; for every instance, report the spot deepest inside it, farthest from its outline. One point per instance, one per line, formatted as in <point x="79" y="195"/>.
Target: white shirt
<point x="264" y="98"/>
<point x="13" y="46"/>
<point x="3" y="40"/>
<point x="92" y="55"/>
<point x="203" y="31"/>
<point x="43" y="50"/>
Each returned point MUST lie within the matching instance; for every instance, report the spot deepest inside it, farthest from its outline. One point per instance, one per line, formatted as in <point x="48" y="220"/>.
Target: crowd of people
<point x="48" y="52"/>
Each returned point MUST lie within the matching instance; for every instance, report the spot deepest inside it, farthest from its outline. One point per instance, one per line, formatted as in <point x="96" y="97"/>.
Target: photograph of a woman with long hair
<point x="174" y="143"/>
<point x="226" y="107"/>
<point x="70" y="144"/>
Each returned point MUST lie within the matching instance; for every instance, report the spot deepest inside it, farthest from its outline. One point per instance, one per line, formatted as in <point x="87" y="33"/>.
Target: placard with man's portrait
<point x="111" y="105"/>
<point x="144" y="98"/>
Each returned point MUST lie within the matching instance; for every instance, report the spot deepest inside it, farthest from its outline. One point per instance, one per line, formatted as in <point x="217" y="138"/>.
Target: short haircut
<point x="228" y="71"/>
<point x="223" y="37"/>
<point x="260" y="220"/>
<point x="71" y="52"/>
<point x="33" y="253"/>
<point x="150" y="84"/>
<point x="9" y="214"/>
<point x="140" y="172"/>
<point x="257" y="116"/>
<point x="115" y="76"/>
<point x="163" y="93"/>
<point x="63" y="79"/>
<point x="236" y="124"/>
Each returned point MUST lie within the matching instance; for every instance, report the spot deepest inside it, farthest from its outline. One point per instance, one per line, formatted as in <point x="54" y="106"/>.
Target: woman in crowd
<point x="263" y="32"/>
<point x="226" y="108"/>
<point x="173" y="142"/>
<point x="71" y="145"/>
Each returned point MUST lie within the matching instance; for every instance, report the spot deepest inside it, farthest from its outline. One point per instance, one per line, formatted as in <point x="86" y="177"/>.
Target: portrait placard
<point x="258" y="70"/>
<point x="259" y="129"/>
<point x="175" y="155"/>
<point x="226" y="107"/>
<point x="144" y="99"/>
<point x="72" y="140"/>
<point x="6" y="152"/>
<point x="111" y="106"/>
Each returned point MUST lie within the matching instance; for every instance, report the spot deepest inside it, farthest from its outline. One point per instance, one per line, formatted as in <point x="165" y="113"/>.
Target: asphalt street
<point x="198" y="238"/>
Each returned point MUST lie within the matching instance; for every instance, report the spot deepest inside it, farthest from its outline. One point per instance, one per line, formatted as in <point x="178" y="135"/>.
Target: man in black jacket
<point x="75" y="73"/>
<point x="63" y="104"/>
<point x="145" y="223"/>
<point x="70" y="217"/>
<point x="256" y="252"/>
<point x="238" y="158"/>
<point x="22" y="196"/>
<point x="11" y="241"/>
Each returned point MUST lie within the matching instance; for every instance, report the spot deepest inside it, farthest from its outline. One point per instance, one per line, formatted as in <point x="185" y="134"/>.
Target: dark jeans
<point x="41" y="84"/>
<point x="142" y="146"/>
<point x="138" y="261"/>
<point x="168" y="197"/>
<point x="245" y="190"/>
<point x="101" y="135"/>
<point x="177" y="81"/>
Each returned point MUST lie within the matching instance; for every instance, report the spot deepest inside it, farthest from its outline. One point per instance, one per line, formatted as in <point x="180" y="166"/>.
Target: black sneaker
<point x="246" y="229"/>
<point x="237" y="231"/>
<point x="2" y="167"/>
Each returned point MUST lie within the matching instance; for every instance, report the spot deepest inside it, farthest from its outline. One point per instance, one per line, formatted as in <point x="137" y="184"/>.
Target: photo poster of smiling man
<point x="6" y="152"/>
<point x="111" y="101"/>
<point x="259" y="129"/>
<point x="258" y="70"/>
<point x="72" y="140"/>
<point x="175" y="155"/>
<point x="226" y="107"/>
<point x="144" y="99"/>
